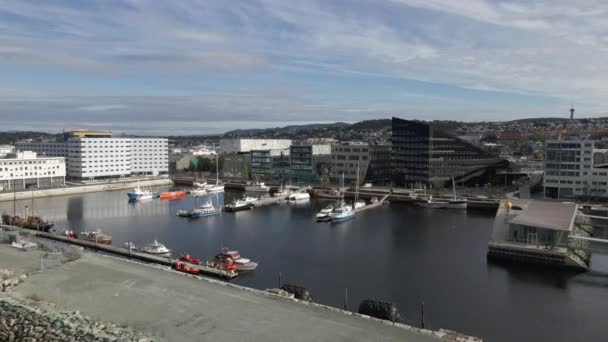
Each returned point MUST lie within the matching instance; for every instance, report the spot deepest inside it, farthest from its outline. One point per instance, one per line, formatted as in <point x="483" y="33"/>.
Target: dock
<point x="373" y="205"/>
<point x="267" y="200"/>
<point x="124" y="252"/>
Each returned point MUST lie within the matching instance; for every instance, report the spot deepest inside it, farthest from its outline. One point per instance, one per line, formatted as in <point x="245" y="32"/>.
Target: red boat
<point x="190" y="259"/>
<point x="224" y="262"/>
<point x="180" y="266"/>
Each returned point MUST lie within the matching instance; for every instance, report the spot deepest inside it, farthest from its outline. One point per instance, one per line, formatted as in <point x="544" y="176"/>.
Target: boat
<point x="455" y="202"/>
<point x="190" y="259"/>
<point x="283" y="192"/>
<point x="323" y="214"/>
<point x="238" y="205"/>
<point x="343" y="212"/>
<point x="130" y="246"/>
<point x="97" y="236"/>
<point x="198" y="192"/>
<point x="170" y="195"/>
<point x="226" y="264"/>
<point x="156" y="248"/>
<point x="250" y="200"/>
<point x="182" y="267"/>
<point x="69" y="233"/>
<point x="242" y="264"/>
<point x="183" y="213"/>
<point x="359" y="203"/>
<point x="24" y="245"/>
<point x="139" y="194"/>
<point x="217" y="187"/>
<point x="257" y="187"/>
<point x="206" y="209"/>
<point x="299" y="195"/>
<point x="30" y="222"/>
<point x="434" y="204"/>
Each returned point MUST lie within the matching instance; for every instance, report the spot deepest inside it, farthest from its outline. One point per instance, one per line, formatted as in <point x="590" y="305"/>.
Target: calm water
<point x="401" y="254"/>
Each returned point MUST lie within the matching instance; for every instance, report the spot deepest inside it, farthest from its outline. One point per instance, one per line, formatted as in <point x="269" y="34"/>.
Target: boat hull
<point x="457" y="205"/>
<point x="433" y="205"/>
<point x="250" y="266"/>
<point x="235" y="209"/>
<point x="42" y="227"/>
<point x="342" y="218"/>
<point x="211" y="213"/>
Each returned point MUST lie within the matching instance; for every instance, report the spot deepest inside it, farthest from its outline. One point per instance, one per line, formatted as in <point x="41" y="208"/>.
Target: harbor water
<point x="401" y="254"/>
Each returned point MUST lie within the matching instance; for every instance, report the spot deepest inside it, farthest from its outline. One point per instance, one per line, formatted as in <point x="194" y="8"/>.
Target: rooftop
<point x="548" y="215"/>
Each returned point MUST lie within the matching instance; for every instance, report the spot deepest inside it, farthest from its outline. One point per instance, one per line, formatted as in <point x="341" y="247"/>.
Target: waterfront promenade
<point x="175" y="307"/>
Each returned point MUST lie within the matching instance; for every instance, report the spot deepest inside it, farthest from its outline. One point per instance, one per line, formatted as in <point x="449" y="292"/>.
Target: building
<point x="93" y="155"/>
<point x="346" y="159"/>
<point x="23" y="170"/>
<point x="306" y="162"/>
<point x="6" y="149"/>
<point x="379" y="170"/>
<point x="422" y="154"/>
<point x="238" y="145"/>
<point x="237" y="166"/>
<point x="575" y="168"/>
<point x="269" y="164"/>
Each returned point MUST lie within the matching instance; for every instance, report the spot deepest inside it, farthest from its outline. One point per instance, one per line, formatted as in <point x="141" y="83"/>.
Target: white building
<point x="246" y="145"/>
<point x="570" y="170"/>
<point x="90" y="158"/>
<point x="23" y="170"/>
<point x="6" y="149"/>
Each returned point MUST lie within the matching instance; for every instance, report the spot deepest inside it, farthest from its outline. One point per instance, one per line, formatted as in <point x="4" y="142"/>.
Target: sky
<point x="200" y="67"/>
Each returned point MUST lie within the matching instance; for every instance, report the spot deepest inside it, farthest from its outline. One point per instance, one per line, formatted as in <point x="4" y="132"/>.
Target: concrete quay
<point x="169" y="306"/>
<point x="73" y="190"/>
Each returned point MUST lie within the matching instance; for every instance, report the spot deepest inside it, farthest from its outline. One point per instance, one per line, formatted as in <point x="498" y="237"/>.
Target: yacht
<point x="283" y="192"/>
<point x="342" y="212"/>
<point x="139" y="194"/>
<point x="299" y="195"/>
<point x="359" y="204"/>
<point x="250" y="200"/>
<point x="257" y="187"/>
<point x="156" y="248"/>
<point x="198" y="192"/>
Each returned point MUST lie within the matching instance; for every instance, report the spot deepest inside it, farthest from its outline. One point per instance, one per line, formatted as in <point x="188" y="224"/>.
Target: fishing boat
<point x="182" y="267"/>
<point x="30" y="222"/>
<point x="431" y="203"/>
<point x="455" y="202"/>
<point x="238" y="205"/>
<point x="171" y="195"/>
<point x="190" y="259"/>
<point x="299" y="195"/>
<point x="343" y="212"/>
<point x="206" y="209"/>
<point x="257" y="187"/>
<point x="97" y="236"/>
<point x="242" y="264"/>
<point x="139" y="194"/>
<point x="156" y="248"/>
<point x="217" y="187"/>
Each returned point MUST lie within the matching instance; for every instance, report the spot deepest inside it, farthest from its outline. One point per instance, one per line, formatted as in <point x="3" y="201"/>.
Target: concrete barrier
<point x="73" y="190"/>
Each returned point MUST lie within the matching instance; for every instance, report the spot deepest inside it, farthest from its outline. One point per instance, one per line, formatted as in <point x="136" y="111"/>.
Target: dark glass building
<point x="423" y="154"/>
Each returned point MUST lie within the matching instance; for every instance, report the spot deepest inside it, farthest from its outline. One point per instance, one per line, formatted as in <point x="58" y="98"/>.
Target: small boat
<point x="359" y="204"/>
<point x="97" y="236"/>
<point x="139" y="194"/>
<point x="323" y="215"/>
<point x="374" y="200"/>
<point x="170" y="195"/>
<point x="238" y="205"/>
<point x="242" y="264"/>
<point x="130" y="246"/>
<point x="250" y="200"/>
<point x="217" y="187"/>
<point x="69" y="233"/>
<point x="434" y="204"/>
<point x="180" y="266"/>
<point x="190" y="259"/>
<point x="198" y="192"/>
<point x="283" y="192"/>
<point x="257" y="187"/>
<point x="299" y="195"/>
<point x="225" y="264"/>
<point x="156" y="248"/>
<point x="206" y="209"/>
<point x="327" y="210"/>
<point x="24" y="245"/>
<point x="342" y="213"/>
<point x="455" y="202"/>
<point x="183" y="213"/>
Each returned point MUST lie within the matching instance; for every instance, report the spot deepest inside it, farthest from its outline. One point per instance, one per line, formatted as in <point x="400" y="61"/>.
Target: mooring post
<point x="422" y="315"/>
<point x="346" y="299"/>
<point x="280" y="280"/>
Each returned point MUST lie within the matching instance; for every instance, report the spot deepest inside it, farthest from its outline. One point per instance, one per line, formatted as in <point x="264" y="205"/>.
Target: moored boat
<point x="169" y="195"/>
<point x="299" y="195"/>
<point x="431" y="203"/>
<point x="182" y="267"/>
<point x="238" y="205"/>
<point x="342" y="212"/>
<point x="257" y="187"/>
<point x="455" y="202"/>
<point x="156" y="248"/>
<point x="241" y="264"/>
<point x="96" y="236"/>
<point x="323" y="214"/>
<point x="139" y="194"/>
<point x="190" y="259"/>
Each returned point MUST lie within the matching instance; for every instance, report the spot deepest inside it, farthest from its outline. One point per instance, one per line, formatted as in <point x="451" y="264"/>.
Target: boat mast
<point x="343" y="190"/>
<point x="454" y="187"/>
<point x="217" y="170"/>
<point x="357" y="185"/>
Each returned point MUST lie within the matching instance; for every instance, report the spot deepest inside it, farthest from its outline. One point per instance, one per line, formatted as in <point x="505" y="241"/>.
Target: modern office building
<point x="24" y="170"/>
<point x="305" y="161"/>
<point x="347" y="158"/>
<point x="95" y="155"/>
<point x="238" y="145"/>
<point x="379" y="170"/>
<point x="422" y="154"/>
<point x="575" y="168"/>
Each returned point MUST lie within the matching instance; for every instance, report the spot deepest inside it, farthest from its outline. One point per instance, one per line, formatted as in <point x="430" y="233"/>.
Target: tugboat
<point x="97" y="236"/>
<point x="156" y="248"/>
<point x="242" y="264"/>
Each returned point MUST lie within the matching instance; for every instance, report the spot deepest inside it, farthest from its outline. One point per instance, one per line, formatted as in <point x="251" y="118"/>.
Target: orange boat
<point x="172" y="195"/>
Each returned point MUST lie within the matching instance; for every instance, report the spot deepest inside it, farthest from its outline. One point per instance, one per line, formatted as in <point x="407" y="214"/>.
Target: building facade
<point x="423" y="154"/>
<point x="379" y="170"/>
<point x="6" y="149"/>
<point x="103" y="157"/>
<point x="24" y="170"/>
<point x="238" y="145"/>
<point x="347" y="158"/>
<point x="574" y="168"/>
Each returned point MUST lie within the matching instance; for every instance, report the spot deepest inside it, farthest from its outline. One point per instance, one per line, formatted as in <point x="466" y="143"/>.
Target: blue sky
<point x="197" y="67"/>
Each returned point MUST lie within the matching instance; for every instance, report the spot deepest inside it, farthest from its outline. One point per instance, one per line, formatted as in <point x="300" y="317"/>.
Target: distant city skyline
<point x="202" y="67"/>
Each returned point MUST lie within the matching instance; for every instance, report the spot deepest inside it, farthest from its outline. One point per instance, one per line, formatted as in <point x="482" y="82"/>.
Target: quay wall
<point x="73" y="190"/>
<point x="24" y="321"/>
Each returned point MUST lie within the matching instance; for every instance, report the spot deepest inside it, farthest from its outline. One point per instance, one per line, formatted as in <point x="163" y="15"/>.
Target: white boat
<point x="24" y="245"/>
<point x="257" y="187"/>
<point x="284" y="192"/>
<point x="217" y="187"/>
<point x="250" y="200"/>
<point x="343" y="211"/>
<point x="130" y="246"/>
<point x="198" y="192"/>
<point x="299" y="195"/>
<point x="206" y="209"/>
<point x="242" y="264"/>
<point x="359" y="204"/>
<point x="327" y="210"/>
<point x="430" y="203"/>
<point x="156" y="248"/>
<point x="455" y="202"/>
<point x="139" y="194"/>
<point x="238" y="205"/>
<point x="323" y="214"/>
